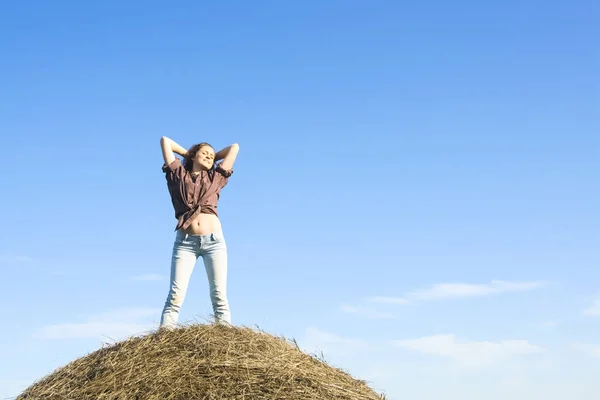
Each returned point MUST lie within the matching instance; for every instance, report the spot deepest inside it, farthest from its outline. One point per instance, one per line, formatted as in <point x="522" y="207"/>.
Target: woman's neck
<point x="196" y="169"/>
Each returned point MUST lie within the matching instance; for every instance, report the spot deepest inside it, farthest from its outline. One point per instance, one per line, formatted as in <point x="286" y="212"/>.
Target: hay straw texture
<point x="200" y="362"/>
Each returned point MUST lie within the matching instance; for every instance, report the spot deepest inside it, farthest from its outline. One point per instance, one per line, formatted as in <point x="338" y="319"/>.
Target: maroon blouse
<point x="193" y="194"/>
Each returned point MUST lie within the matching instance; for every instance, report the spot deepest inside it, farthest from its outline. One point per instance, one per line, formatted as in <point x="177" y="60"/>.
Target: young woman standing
<point x="195" y="186"/>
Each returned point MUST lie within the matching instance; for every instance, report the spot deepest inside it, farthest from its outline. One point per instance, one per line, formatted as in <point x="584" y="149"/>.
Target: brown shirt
<point x="193" y="194"/>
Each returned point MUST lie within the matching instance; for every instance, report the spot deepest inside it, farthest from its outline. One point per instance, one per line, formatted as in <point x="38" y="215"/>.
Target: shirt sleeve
<point x="174" y="170"/>
<point x="222" y="175"/>
<point x="225" y="172"/>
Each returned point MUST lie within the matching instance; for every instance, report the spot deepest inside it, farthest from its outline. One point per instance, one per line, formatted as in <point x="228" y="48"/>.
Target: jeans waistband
<point x="182" y="235"/>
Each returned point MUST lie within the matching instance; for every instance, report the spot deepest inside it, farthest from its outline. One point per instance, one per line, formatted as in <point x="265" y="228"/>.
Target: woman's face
<point x="205" y="157"/>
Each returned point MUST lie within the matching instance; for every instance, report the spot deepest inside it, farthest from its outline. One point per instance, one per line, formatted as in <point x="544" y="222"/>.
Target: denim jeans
<point x="186" y="250"/>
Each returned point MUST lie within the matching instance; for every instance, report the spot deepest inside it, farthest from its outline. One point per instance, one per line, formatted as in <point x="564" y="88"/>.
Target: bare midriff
<point x="204" y="224"/>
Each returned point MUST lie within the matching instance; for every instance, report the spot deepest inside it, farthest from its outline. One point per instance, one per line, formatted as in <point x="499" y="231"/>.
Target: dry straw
<point x="200" y="362"/>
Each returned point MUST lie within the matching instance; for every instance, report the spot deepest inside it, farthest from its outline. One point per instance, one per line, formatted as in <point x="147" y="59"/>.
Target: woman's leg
<point x="183" y="261"/>
<point x="214" y="254"/>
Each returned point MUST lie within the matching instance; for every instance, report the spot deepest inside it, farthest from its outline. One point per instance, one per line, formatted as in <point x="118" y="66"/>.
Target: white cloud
<point x="469" y="353"/>
<point x="366" y="312"/>
<point x="149" y="277"/>
<point x="589" y="349"/>
<point x="114" y="324"/>
<point x="460" y="290"/>
<point x="593" y="310"/>
<point x="316" y="341"/>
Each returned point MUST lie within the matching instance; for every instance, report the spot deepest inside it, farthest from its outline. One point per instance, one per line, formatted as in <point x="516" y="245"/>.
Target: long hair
<point x="188" y="160"/>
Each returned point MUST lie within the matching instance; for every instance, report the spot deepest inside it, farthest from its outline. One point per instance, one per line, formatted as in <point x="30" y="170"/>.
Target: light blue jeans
<point x="186" y="251"/>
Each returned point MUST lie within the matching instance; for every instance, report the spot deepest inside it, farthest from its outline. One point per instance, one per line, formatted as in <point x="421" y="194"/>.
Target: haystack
<point x="200" y="361"/>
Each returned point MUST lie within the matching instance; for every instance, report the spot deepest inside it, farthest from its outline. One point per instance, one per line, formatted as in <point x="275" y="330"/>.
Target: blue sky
<point x="416" y="193"/>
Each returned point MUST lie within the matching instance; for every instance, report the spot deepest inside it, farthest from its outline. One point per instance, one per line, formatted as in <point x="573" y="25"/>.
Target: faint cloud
<point x="549" y="324"/>
<point x="593" y="310"/>
<point x="91" y="330"/>
<point x="366" y="312"/>
<point x="518" y="381"/>
<point x="388" y="300"/>
<point x="11" y="388"/>
<point x="126" y="314"/>
<point x="149" y="277"/>
<point x="450" y="290"/>
<point x="115" y="324"/>
<point x="469" y="353"/>
<point x="587" y="348"/>
<point x="16" y="259"/>
<point x="316" y="341"/>
<point x="460" y="290"/>
<point x="31" y="263"/>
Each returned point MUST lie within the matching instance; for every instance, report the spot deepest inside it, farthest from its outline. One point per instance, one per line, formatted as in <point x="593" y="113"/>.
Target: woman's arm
<point x="228" y="155"/>
<point x="168" y="147"/>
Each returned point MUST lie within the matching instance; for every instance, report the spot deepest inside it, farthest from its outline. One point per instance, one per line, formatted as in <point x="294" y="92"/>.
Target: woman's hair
<point x="188" y="160"/>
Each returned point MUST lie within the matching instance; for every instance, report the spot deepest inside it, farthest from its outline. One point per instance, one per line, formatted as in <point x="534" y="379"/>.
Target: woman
<point x="195" y="187"/>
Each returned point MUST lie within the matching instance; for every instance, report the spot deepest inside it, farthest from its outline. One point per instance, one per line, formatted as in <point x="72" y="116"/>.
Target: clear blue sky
<point x="416" y="192"/>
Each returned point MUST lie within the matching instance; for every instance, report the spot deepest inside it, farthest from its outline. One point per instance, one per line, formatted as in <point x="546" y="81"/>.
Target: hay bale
<point x="201" y="361"/>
